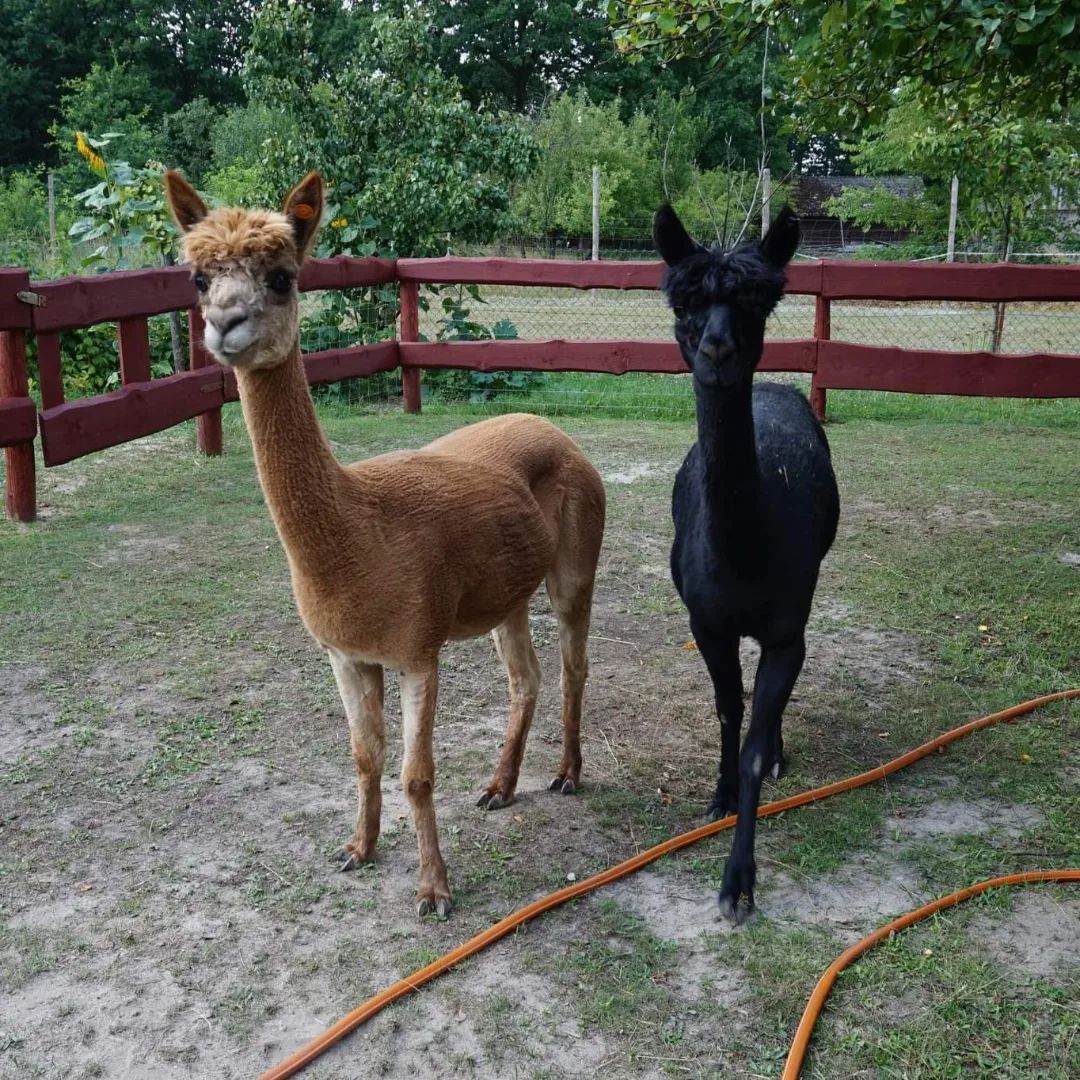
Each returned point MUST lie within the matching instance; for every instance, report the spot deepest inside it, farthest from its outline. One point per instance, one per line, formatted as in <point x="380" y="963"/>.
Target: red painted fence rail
<point x="142" y="405"/>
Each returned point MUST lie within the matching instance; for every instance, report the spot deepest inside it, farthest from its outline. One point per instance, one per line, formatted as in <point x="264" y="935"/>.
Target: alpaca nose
<point x="714" y="348"/>
<point x="225" y="319"/>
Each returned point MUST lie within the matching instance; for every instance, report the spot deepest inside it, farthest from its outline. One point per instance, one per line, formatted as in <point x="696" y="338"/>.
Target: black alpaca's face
<point x="722" y="299"/>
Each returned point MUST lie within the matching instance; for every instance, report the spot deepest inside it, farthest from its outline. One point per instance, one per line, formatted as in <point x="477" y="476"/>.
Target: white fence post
<point x="951" y="250"/>
<point x="596" y="213"/>
<point x="766" y="198"/>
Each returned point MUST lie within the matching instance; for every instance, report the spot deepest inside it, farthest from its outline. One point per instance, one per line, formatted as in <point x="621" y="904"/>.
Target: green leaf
<point x="667" y="22"/>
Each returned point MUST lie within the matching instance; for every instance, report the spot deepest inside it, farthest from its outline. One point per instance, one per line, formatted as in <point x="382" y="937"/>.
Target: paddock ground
<point x="175" y="775"/>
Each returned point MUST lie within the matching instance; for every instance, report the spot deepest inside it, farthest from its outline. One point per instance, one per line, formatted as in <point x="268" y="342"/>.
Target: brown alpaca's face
<point x="249" y="305"/>
<point x="244" y="265"/>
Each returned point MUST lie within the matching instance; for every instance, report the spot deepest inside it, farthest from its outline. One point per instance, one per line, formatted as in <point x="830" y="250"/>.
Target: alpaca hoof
<point x="438" y="906"/>
<point x="353" y="860"/>
<point x="736" y="895"/>
<point x="779" y="767"/>
<point x="736" y="909"/>
<point x="724" y="804"/>
<point x="494" y="800"/>
<point x="564" y="784"/>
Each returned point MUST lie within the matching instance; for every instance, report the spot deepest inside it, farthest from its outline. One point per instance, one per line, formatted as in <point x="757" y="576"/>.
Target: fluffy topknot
<point x="712" y="276"/>
<point x="232" y="233"/>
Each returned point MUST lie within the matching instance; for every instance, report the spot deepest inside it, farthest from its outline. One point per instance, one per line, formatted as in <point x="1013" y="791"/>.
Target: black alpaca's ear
<point x="303" y="207"/>
<point x="780" y="243"/>
<point x="672" y="241"/>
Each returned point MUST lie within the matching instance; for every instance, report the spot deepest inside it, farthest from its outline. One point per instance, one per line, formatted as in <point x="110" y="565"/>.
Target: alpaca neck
<point x="731" y="480"/>
<point x="300" y="477"/>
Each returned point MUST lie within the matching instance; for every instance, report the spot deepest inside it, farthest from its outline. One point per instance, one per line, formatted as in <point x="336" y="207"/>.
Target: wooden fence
<point x="142" y="405"/>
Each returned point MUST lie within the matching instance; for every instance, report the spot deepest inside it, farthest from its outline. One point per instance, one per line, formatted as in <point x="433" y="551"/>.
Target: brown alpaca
<point x="394" y="556"/>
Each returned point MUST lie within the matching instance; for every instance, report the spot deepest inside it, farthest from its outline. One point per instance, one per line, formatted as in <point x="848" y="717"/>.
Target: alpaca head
<point x="244" y="264"/>
<point x="721" y="299"/>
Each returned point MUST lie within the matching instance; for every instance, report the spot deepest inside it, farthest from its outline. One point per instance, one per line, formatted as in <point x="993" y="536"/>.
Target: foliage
<point x="125" y="210"/>
<point x="724" y="204"/>
<point x="403" y="149"/>
<point x="846" y="57"/>
<point x="865" y="207"/>
<point x="187" y="138"/>
<point x="457" y="324"/>
<point x="1011" y="171"/>
<point x="574" y="134"/>
<point x="184" y="49"/>
<point x="116" y="98"/>
<point x="243" y="141"/>
<point x="90" y="359"/>
<point x="516" y="53"/>
<point x="24" y="211"/>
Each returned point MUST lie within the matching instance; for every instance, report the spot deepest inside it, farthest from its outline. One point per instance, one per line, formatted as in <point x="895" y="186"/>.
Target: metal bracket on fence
<point x="32" y="298"/>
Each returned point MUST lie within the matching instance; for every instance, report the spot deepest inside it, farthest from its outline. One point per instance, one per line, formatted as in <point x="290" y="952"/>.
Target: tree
<point x="847" y="58"/>
<point x="574" y="134"/>
<point x="186" y="48"/>
<point x="1012" y="171"/>
<point x="516" y="53"/>
<point x="116" y="97"/>
<point x="410" y="161"/>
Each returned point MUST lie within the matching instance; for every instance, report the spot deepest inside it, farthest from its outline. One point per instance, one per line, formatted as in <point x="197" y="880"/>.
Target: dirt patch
<point x="633" y="472"/>
<point x="861" y="894"/>
<point x="138" y="543"/>
<point x="1039" y="936"/>
<point x="958" y="817"/>
<point x="675" y="908"/>
<point x="29" y="716"/>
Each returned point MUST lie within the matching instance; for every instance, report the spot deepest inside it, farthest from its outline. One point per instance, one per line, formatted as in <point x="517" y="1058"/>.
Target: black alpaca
<point x="755" y="507"/>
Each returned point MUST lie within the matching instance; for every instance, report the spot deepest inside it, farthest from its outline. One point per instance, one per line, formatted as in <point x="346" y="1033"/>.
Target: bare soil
<point x="171" y="907"/>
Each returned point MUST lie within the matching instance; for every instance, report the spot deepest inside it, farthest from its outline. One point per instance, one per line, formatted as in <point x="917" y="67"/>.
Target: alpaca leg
<point x="361" y="689"/>
<point x="419" y="690"/>
<point x="572" y="600"/>
<point x="721" y="656"/>
<point x="776" y="675"/>
<point x="513" y="643"/>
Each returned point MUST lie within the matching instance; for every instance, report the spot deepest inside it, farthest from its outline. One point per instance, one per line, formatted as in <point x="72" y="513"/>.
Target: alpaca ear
<point x="672" y="241"/>
<point x="780" y="243"/>
<point x="303" y="207"/>
<point x="184" y="202"/>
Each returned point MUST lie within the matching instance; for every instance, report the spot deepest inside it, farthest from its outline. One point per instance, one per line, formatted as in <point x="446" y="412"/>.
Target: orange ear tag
<point x="303" y="211"/>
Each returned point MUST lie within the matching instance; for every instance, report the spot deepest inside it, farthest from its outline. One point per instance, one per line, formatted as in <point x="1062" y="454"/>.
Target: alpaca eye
<point x="280" y="281"/>
<point x="200" y="282"/>
<point x="679" y="312"/>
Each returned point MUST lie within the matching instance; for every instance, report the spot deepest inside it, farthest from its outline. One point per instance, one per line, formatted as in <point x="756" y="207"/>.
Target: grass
<point x="187" y="750"/>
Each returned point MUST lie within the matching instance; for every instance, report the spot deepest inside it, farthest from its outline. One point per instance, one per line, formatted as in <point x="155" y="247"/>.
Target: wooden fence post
<point x="822" y="332"/>
<point x="409" y="293"/>
<point x="208" y="434"/>
<point x="20" y="496"/>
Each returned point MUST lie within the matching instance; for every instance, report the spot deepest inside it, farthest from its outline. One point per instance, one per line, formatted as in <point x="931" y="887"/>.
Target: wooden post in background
<point x="208" y="433"/>
<point x="822" y="331"/>
<point x="409" y="294"/>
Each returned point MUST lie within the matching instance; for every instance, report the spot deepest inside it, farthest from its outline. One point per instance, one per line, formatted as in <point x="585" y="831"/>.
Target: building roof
<point x="810" y="193"/>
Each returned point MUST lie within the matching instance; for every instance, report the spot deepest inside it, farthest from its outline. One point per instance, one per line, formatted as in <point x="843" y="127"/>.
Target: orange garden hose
<point x="306" y="1054"/>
